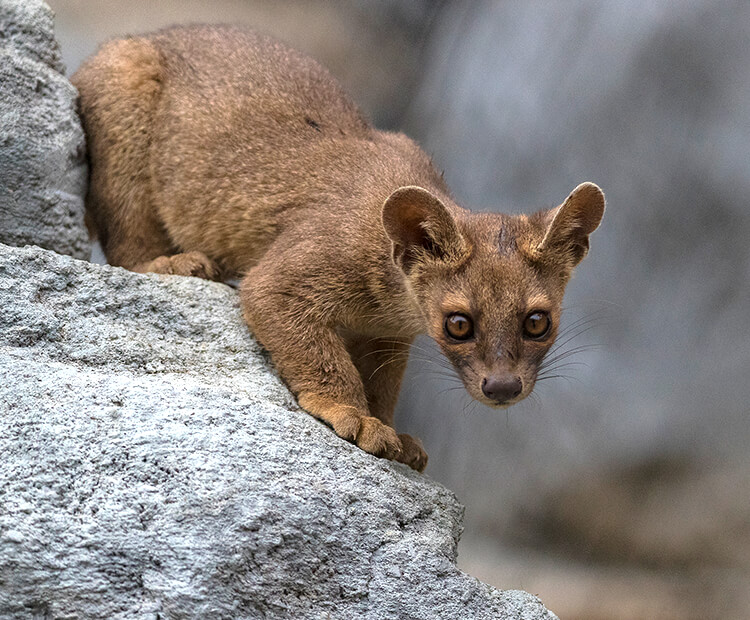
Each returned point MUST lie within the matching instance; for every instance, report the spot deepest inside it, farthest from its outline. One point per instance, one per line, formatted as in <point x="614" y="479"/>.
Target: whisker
<point x="534" y="398"/>
<point x="447" y="390"/>
<point x="463" y="409"/>
<point x="567" y="378"/>
<point x="559" y="345"/>
<point x="385" y="363"/>
<point x="442" y="363"/>
<point x="557" y="367"/>
<point x="566" y="354"/>
<point x="558" y="357"/>
<point x="579" y="348"/>
<point x="584" y="320"/>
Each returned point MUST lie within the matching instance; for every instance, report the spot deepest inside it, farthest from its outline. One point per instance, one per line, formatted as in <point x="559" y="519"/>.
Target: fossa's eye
<point x="459" y="326"/>
<point x="536" y="325"/>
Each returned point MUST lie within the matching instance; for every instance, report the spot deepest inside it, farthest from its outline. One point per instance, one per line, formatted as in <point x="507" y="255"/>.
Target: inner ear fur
<point x="573" y="221"/>
<point x="420" y="227"/>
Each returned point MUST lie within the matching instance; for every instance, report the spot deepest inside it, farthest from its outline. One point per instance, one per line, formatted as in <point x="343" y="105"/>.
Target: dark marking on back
<point x="312" y="123"/>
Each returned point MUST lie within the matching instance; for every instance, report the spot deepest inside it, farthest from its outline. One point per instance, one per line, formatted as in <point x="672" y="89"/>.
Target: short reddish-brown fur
<point x="218" y="152"/>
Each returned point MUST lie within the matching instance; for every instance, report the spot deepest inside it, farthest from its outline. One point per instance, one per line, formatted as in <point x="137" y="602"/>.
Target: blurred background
<point x="620" y="490"/>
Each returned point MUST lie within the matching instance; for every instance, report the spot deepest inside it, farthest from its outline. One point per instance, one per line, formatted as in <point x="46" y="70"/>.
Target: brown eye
<point x="459" y="326"/>
<point x="536" y="325"/>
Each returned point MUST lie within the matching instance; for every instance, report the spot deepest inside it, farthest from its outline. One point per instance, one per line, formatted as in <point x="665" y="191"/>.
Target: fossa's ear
<point x="420" y="227"/>
<point x="573" y="221"/>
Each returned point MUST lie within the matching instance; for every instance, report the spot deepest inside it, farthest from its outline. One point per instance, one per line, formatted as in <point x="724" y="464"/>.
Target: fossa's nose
<point x="502" y="388"/>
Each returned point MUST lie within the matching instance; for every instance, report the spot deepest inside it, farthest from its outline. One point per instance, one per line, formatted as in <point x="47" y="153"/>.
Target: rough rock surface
<point x="153" y="465"/>
<point x="42" y="151"/>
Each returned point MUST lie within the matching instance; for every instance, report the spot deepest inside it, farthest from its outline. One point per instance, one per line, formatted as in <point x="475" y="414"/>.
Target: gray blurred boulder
<point x="154" y="466"/>
<point x="42" y="151"/>
<point x="651" y="100"/>
<point x="519" y="103"/>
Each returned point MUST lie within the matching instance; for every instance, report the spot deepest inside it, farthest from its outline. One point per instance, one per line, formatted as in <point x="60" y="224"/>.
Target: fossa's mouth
<point x="505" y="404"/>
<point x="500" y="404"/>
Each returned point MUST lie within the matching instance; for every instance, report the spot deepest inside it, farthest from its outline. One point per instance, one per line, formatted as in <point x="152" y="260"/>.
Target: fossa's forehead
<point x="498" y="282"/>
<point x="501" y="274"/>
<point x="493" y="234"/>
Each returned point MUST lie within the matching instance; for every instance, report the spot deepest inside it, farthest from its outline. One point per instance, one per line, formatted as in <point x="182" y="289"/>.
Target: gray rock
<point x="42" y="151"/>
<point x="153" y="465"/>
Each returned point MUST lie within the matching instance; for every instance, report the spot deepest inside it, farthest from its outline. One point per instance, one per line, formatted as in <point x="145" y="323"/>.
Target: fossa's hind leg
<point x="184" y="264"/>
<point x="120" y="89"/>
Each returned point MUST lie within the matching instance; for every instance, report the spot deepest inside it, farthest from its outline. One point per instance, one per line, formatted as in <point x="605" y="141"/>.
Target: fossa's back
<point x="232" y="132"/>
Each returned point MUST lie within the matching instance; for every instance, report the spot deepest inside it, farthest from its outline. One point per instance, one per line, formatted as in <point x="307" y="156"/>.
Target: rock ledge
<point x="153" y="465"/>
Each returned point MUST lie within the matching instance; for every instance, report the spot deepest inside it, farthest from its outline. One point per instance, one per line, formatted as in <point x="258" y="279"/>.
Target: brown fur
<point x="217" y="152"/>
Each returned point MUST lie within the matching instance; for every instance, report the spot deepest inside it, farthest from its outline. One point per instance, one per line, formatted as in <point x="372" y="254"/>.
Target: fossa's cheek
<point x="462" y="359"/>
<point x="468" y="366"/>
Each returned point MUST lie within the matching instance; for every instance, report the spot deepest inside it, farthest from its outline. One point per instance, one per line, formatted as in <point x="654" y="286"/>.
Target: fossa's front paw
<point x="369" y="433"/>
<point x="412" y="452"/>
<point x="378" y="438"/>
<point x="343" y="419"/>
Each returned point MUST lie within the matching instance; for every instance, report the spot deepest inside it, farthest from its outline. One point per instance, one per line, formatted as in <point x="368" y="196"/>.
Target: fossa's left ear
<point x="573" y="221"/>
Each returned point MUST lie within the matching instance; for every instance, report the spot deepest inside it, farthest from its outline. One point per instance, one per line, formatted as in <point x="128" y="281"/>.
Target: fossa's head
<point x="490" y="286"/>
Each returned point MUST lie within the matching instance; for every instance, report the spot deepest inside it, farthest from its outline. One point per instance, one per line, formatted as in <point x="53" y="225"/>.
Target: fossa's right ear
<point x="420" y="227"/>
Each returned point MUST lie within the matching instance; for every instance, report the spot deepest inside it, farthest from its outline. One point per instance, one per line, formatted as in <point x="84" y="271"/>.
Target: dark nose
<point x="502" y="388"/>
